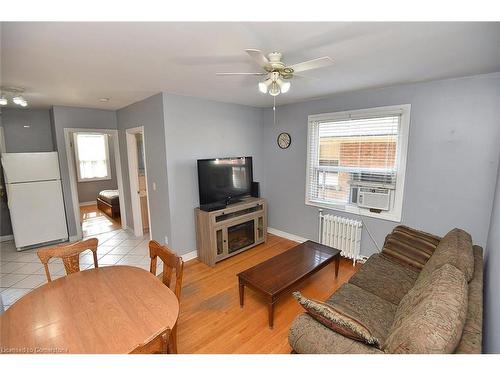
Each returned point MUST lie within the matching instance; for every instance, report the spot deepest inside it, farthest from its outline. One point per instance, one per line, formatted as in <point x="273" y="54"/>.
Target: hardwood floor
<point x="211" y="320"/>
<point x="95" y="221"/>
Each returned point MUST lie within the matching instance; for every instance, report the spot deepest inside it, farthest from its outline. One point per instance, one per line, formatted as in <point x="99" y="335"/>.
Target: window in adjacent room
<point x="357" y="161"/>
<point x="92" y="156"/>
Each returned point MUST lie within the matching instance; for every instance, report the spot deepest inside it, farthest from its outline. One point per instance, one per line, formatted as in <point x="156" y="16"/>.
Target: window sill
<point x="384" y="215"/>
<point x="94" y="179"/>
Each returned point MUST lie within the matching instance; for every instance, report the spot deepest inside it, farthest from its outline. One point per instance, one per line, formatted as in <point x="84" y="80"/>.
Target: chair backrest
<point x="70" y="255"/>
<point x="157" y="345"/>
<point x="170" y="262"/>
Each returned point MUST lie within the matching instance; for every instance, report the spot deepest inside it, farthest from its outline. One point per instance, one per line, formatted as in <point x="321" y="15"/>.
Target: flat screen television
<point x="224" y="179"/>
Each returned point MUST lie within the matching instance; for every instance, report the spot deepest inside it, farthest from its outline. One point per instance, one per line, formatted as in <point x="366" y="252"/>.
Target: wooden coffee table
<point x="276" y="276"/>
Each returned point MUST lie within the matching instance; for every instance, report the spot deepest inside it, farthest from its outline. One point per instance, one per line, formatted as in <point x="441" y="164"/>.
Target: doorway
<point x="96" y="180"/>
<point x="136" y="151"/>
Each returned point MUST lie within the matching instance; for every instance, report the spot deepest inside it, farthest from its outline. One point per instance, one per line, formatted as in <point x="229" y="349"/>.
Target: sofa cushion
<point x="308" y="336"/>
<point x="415" y="233"/>
<point x="456" y="249"/>
<point x="431" y="317"/>
<point x="385" y="278"/>
<point x="408" y="250"/>
<point x="409" y="246"/>
<point x="336" y="319"/>
<point x="375" y="313"/>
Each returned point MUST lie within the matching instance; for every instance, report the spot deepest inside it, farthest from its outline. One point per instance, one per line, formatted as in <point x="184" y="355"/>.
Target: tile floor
<point x="22" y="271"/>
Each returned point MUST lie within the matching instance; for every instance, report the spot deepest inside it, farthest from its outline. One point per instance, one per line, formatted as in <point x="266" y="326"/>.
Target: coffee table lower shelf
<point x="276" y="276"/>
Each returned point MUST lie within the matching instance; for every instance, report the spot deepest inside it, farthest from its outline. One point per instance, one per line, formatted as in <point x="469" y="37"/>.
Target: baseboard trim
<point x="89" y="203"/>
<point x="286" y="235"/>
<point x="190" y="256"/>
<point x="8" y="237"/>
<point x="293" y="237"/>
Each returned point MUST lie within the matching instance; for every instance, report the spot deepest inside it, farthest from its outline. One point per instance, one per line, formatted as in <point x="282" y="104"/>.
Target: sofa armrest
<point x="472" y="334"/>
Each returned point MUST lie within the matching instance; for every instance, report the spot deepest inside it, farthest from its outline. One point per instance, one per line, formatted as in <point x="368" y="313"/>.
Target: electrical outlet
<point x="166" y="240"/>
<point x="154" y="186"/>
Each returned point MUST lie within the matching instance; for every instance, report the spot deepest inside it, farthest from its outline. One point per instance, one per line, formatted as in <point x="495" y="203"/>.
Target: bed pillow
<point x="337" y="321"/>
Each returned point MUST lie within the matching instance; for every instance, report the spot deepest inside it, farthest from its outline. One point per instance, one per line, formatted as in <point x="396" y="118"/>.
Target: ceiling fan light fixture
<point x="264" y="86"/>
<point x="274" y="90"/>
<point x="284" y="85"/>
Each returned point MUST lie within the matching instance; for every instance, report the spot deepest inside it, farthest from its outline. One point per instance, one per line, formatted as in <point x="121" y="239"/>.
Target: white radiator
<point x="341" y="233"/>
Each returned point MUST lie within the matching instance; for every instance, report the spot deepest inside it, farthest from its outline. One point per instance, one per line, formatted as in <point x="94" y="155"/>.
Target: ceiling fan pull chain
<point x="274" y="110"/>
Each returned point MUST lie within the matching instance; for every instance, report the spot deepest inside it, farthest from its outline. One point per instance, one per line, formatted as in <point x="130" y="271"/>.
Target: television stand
<point x="230" y="200"/>
<point x="212" y="206"/>
<point x="220" y="234"/>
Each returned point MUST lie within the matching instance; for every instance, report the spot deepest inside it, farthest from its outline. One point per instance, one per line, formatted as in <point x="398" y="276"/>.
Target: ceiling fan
<point x="277" y="72"/>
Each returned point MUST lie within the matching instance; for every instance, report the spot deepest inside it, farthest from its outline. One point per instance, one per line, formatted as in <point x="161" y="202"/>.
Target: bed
<point x="108" y="201"/>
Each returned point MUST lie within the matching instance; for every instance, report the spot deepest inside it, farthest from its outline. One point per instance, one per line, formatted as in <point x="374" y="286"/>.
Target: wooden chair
<point x="158" y="345"/>
<point x="70" y="255"/>
<point x="170" y="262"/>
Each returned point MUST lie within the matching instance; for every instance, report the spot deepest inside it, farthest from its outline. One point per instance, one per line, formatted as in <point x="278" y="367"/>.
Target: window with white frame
<point x="356" y="161"/>
<point x="92" y="156"/>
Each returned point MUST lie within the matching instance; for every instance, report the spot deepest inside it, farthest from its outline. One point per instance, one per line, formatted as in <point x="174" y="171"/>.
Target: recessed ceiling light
<point x="104" y="100"/>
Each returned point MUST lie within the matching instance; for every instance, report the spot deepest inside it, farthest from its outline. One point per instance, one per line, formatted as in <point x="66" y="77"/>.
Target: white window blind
<point x="92" y="156"/>
<point x="348" y="149"/>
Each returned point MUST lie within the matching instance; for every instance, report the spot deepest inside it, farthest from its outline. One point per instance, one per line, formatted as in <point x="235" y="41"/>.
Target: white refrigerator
<point x="35" y="199"/>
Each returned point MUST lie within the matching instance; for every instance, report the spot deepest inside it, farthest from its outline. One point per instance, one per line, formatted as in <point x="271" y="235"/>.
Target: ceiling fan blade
<point x="301" y="76"/>
<point x="240" y="74"/>
<point x="312" y="64"/>
<point x="259" y="57"/>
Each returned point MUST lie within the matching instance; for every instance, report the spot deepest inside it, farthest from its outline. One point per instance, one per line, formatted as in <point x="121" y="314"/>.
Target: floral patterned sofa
<point x="421" y="294"/>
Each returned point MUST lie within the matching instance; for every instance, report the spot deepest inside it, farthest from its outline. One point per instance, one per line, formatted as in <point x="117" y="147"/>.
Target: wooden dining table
<point x="103" y="310"/>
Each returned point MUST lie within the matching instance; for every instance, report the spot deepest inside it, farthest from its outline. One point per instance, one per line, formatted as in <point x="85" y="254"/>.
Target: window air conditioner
<point x="375" y="198"/>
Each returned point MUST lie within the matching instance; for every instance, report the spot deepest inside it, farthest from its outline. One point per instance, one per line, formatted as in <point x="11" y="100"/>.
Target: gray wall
<point x="452" y="157"/>
<point x="148" y="113"/>
<point x="36" y="138"/>
<point x="72" y="117"/>
<point x="198" y="129"/>
<point x="491" y="339"/>
<point x="88" y="190"/>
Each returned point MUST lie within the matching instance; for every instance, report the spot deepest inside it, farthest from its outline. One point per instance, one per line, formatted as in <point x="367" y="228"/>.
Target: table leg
<point x="242" y="293"/>
<point x="337" y="263"/>
<point x="270" y="307"/>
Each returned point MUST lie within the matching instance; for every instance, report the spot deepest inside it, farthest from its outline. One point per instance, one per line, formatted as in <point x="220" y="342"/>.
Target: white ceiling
<point x="76" y="63"/>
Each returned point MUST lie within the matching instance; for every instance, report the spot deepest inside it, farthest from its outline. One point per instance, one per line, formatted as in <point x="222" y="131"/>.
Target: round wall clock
<point x="284" y="140"/>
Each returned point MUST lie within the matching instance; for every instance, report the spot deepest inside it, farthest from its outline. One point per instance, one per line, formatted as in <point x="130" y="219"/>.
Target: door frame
<point x="2" y="140"/>
<point x="70" y="155"/>
<point x="135" y="202"/>
<point x="3" y="149"/>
